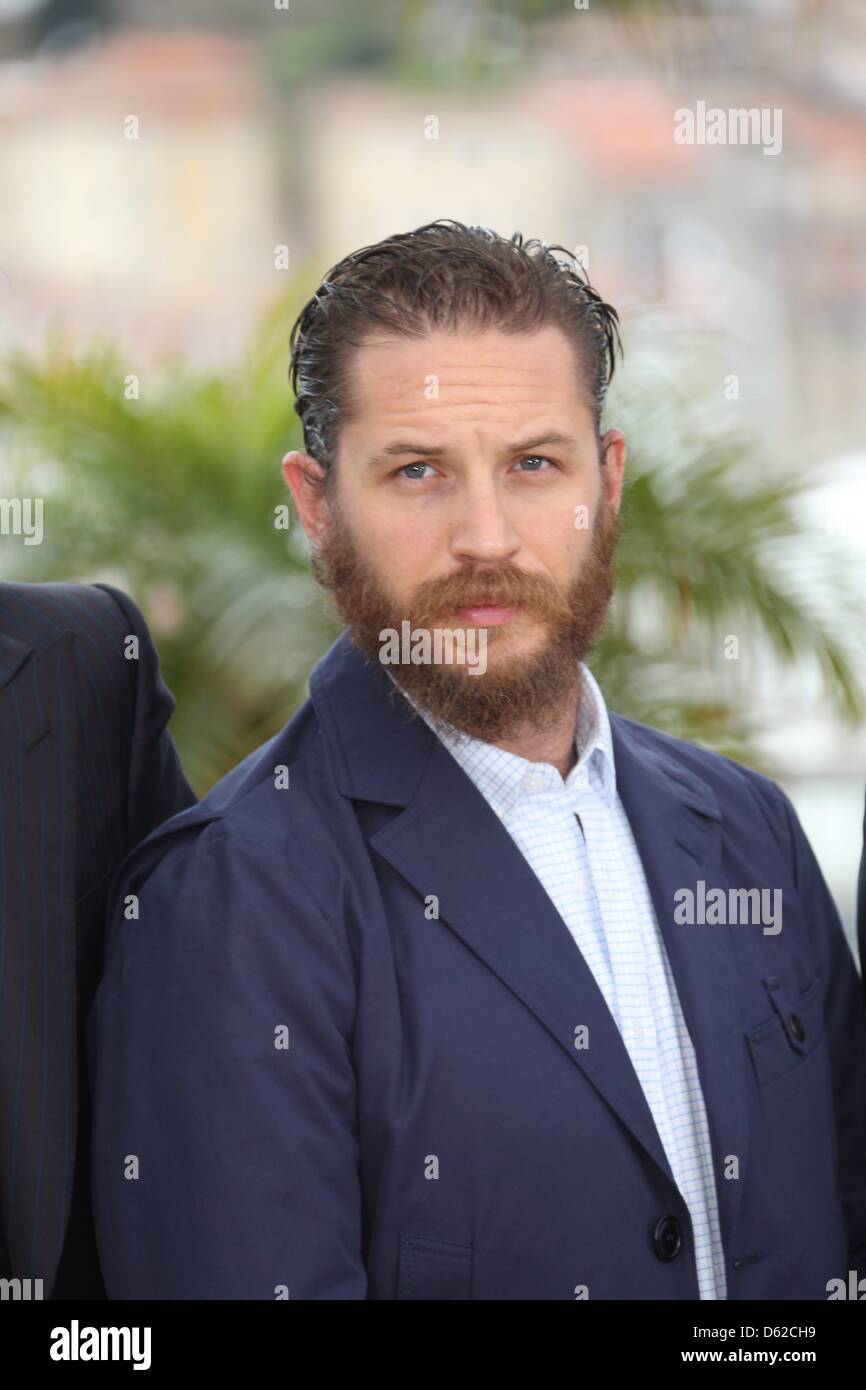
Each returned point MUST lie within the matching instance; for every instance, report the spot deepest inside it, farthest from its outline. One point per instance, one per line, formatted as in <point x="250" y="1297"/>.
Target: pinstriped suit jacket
<point x="861" y="910"/>
<point x="87" y="769"/>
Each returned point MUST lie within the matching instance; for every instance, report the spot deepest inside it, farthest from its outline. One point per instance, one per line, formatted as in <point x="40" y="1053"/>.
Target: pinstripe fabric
<point x="576" y="837"/>
<point x="86" y="770"/>
<point x="37" y="951"/>
<point x="861" y="910"/>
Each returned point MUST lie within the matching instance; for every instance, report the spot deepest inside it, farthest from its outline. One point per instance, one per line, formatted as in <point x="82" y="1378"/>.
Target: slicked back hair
<point x="448" y="277"/>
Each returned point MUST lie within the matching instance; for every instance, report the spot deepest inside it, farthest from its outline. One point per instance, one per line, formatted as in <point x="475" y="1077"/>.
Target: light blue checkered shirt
<point x="576" y="837"/>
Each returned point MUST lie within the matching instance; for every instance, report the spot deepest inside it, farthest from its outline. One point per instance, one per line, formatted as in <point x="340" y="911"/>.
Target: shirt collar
<point x="504" y="778"/>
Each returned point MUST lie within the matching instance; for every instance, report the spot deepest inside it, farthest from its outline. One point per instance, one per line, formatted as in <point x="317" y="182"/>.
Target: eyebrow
<point x="401" y="447"/>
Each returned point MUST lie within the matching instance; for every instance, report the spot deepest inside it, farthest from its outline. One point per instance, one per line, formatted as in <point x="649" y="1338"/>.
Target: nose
<point x="482" y="531"/>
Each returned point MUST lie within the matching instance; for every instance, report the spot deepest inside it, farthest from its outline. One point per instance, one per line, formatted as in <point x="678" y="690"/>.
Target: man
<point x="408" y="1007"/>
<point x="88" y="769"/>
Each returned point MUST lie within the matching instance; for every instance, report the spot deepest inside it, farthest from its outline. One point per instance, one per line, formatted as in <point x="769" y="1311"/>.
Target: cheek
<point x="405" y="540"/>
<point x="407" y="548"/>
<point x="560" y="536"/>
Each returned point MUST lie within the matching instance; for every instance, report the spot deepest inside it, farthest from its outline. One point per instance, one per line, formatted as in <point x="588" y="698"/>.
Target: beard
<point x="519" y="691"/>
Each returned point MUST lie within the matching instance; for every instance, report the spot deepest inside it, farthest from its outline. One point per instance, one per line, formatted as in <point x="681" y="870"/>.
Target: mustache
<point x="507" y="588"/>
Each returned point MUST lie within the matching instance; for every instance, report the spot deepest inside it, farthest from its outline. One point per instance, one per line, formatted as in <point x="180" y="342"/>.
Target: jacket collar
<point x="366" y="720"/>
<point x="504" y="777"/>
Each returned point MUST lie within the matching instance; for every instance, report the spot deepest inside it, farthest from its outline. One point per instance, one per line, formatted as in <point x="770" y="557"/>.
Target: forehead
<point x="463" y="377"/>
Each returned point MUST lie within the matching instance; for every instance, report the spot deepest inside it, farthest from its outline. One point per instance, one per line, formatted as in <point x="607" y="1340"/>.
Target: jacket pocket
<point x="782" y="1042"/>
<point x="434" y="1269"/>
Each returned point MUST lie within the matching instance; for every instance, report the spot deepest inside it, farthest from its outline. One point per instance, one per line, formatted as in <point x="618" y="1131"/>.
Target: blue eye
<point x="402" y="471"/>
<point x="541" y="458"/>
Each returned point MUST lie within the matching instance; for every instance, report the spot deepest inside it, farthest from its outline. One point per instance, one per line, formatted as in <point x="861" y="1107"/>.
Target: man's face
<point x="451" y="495"/>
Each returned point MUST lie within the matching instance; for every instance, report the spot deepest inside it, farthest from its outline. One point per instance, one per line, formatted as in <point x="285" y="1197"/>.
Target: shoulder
<point x="272" y="825"/>
<point x="256" y="890"/>
<point x="39" y="613"/>
<point x="99" y="618"/>
<point x="109" y="647"/>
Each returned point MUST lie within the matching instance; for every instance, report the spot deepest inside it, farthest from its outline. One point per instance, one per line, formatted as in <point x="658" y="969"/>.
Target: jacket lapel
<point x="676" y="822"/>
<point x="448" y="841"/>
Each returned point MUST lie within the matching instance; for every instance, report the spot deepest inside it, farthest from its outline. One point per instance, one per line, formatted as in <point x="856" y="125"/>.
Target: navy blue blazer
<point x="87" y="769"/>
<point x="310" y="1085"/>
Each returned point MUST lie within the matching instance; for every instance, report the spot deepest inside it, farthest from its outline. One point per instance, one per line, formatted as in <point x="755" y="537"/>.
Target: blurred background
<point x="176" y="178"/>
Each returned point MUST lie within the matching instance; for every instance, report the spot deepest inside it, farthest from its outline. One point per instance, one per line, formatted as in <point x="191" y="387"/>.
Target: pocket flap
<point x="434" y="1269"/>
<point x="781" y="1042"/>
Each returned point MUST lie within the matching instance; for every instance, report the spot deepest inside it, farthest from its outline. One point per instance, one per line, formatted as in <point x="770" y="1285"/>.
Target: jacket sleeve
<point x="861" y="911"/>
<point x="845" y="1028"/>
<point x="156" y="785"/>
<point x="225" y="1151"/>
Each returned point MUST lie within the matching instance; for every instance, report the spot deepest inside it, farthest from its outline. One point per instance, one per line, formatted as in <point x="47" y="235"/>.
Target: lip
<point x="489" y="614"/>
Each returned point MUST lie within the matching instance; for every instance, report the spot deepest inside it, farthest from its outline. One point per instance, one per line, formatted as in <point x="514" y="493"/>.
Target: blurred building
<point x="170" y="237"/>
<point x="139" y="193"/>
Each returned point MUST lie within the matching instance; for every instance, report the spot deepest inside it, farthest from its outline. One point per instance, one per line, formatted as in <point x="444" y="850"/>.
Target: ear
<point x="614" y="450"/>
<point x="305" y="479"/>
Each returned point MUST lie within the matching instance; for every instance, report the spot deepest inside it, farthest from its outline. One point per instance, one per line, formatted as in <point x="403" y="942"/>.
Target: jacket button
<point x="796" y="1026"/>
<point x="667" y="1241"/>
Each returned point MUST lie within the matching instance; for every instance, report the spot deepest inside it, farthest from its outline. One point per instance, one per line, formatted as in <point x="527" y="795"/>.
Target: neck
<point x="554" y="744"/>
<point x="551" y="739"/>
